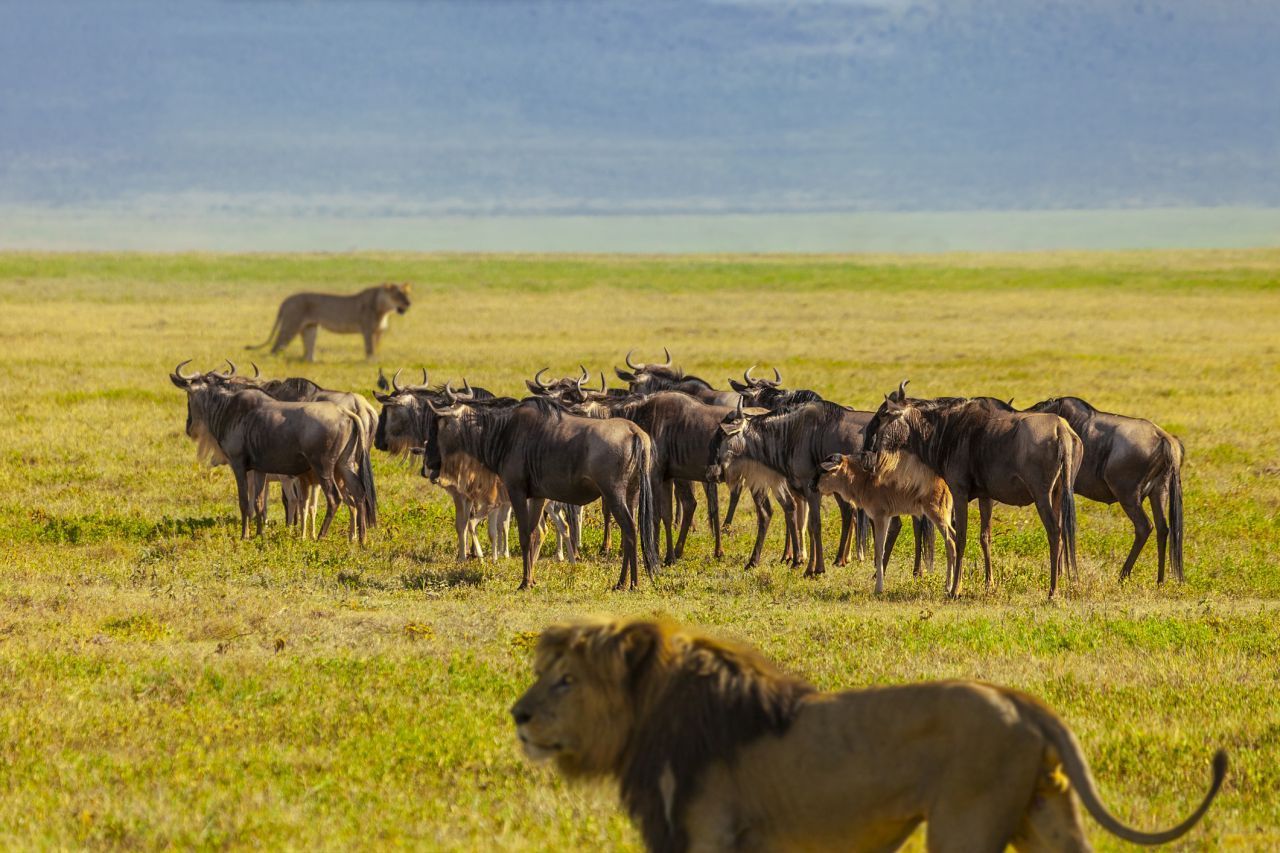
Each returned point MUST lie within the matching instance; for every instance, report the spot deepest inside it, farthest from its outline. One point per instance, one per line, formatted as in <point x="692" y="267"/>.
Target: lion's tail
<point x="271" y="336"/>
<point x="1077" y="770"/>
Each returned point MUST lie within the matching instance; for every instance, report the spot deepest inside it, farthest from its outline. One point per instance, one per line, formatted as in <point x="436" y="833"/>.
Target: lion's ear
<point x="638" y="644"/>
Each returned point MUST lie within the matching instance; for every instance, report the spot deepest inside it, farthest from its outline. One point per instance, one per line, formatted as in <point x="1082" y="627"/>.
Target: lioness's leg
<point x="1052" y="821"/>
<point x="309" y="341"/>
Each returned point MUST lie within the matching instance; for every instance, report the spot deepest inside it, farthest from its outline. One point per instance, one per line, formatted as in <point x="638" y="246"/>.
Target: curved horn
<point x="537" y="379"/>
<point x="667" y="353"/>
<point x="902" y="390"/>
<point x="256" y="372"/>
<point x="177" y="371"/>
<point x="746" y="374"/>
<point x="232" y="365"/>
<point x="395" y="381"/>
<point x="448" y="392"/>
<point x="739" y="405"/>
<point x="578" y="382"/>
<point x="585" y="374"/>
<point x="777" y="377"/>
<point x="602" y="382"/>
<point x="631" y="364"/>
<point x="425" y="381"/>
<point x="467" y="392"/>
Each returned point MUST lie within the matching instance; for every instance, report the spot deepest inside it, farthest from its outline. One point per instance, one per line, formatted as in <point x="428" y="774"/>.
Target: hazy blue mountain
<point x="436" y="108"/>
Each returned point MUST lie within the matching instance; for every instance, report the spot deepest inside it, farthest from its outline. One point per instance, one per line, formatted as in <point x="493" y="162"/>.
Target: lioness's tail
<point x="271" y="336"/>
<point x="1077" y="770"/>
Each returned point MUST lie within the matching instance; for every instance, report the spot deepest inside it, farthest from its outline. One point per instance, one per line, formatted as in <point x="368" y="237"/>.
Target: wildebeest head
<point x="729" y="442"/>
<point x="569" y="390"/>
<point x="647" y="378"/>
<point x="403" y="415"/>
<point x="888" y="428"/>
<point x="752" y="386"/>
<point x="443" y="433"/>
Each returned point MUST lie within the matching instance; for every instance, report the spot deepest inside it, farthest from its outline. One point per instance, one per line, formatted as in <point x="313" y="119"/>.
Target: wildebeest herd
<point x="641" y="451"/>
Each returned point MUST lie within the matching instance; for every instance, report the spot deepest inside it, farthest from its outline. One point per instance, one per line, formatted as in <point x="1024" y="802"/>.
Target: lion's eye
<point x="565" y="682"/>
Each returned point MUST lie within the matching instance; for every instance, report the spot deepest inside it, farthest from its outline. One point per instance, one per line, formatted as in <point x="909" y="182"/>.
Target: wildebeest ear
<point x="385" y="399"/>
<point x="624" y="375"/>
<point x="832" y="462"/>
<point x="738" y="386"/>
<point x="892" y="405"/>
<point x="179" y="381"/>
<point x="732" y="427"/>
<point x="538" y="390"/>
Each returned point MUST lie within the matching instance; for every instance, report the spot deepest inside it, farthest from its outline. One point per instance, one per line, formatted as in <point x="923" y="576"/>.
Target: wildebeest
<point x="793" y="444"/>
<point x="897" y="484"/>
<point x="543" y="452"/>
<point x="1015" y="458"/>
<point x="477" y="492"/>
<point x="1128" y="460"/>
<point x="256" y="433"/>
<point x="365" y="312"/>
<point x="649" y="378"/>
<point x="682" y="429"/>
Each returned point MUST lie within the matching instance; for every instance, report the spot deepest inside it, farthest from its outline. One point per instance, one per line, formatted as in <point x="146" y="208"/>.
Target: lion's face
<point x="581" y="709"/>
<point x="394" y="297"/>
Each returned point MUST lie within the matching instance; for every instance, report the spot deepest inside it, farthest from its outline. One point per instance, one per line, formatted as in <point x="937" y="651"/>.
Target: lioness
<point x="365" y="312"/>
<point x="715" y="749"/>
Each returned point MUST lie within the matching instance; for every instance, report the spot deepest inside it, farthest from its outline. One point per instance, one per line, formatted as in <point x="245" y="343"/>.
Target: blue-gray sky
<point x="431" y="108"/>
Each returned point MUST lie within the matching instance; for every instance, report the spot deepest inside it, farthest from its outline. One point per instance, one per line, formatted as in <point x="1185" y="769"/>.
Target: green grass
<point x="163" y="683"/>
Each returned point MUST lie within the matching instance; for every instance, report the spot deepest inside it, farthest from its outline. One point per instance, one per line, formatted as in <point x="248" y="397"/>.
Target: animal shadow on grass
<point x="437" y="574"/>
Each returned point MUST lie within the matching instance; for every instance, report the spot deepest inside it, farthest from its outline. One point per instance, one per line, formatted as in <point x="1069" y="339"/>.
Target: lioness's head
<point x="393" y="297"/>
<point x="583" y="706"/>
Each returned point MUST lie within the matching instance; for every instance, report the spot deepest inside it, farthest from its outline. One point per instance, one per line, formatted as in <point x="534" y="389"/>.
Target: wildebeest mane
<point x="293" y="388"/>
<point x="700" y="701"/>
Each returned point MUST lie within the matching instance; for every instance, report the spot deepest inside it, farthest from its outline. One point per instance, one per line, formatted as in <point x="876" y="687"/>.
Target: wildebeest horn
<point x="537" y="379"/>
<point x="777" y="376"/>
<point x="739" y="406"/>
<point x="632" y="364"/>
<point x="667" y="353"/>
<point x="232" y="365"/>
<point x="177" y="371"/>
<point x="467" y="392"/>
<point x="256" y="372"/>
<point x="448" y="392"/>
<point x="902" y="390"/>
<point x="425" y="380"/>
<point x="585" y="374"/>
<point x="746" y="374"/>
<point x="578" y="382"/>
<point x="602" y="382"/>
<point x="395" y="381"/>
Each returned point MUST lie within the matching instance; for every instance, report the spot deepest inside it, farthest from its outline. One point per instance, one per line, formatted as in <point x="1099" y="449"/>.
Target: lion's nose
<point x="520" y="715"/>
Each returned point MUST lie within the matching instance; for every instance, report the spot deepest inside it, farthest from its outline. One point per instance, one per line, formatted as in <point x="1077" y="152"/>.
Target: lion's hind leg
<point x="1052" y="820"/>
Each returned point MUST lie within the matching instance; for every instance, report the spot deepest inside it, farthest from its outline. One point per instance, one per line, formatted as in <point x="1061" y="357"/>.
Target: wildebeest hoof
<point x="524" y="585"/>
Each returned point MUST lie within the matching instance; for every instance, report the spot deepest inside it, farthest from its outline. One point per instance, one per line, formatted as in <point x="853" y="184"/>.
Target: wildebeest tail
<point x="1173" y="450"/>
<point x="1068" y="475"/>
<point x="364" y="468"/>
<point x="271" y="336"/>
<point x="647" y="521"/>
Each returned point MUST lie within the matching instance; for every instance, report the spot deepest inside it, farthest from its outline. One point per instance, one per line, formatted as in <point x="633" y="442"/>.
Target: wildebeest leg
<point x="817" y="565"/>
<point x="922" y="529"/>
<point x="500" y="517"/>
<point x="960" y="522"/>
<point x="1132" y="506"/>
<point x="473" y="532"/>
<point x="616" y="505"/>
<point x="525" y="523"/>
<point x="309" y="341"/>
<point x="688" y="505"/>
<point x="880" y="534"/>
<point x="537" y="508"/>
<point x="735" y="492"/>
<point x="712" y="493"/>
<point x="606" y="541"/>
<point x="575" y="532"/>
<point x="846" y="530"/>
<point x="862" y="535"/>
<point x="764" y="514"/>
<point x="332" y="498"/>
<point x="312" y="508"/>
<point x="662" y="492"/>
<point x="984" y="535"/>
<point x="793" y="514"/>
<point x="1049" y="516"/>
<point x="461" y="524"/>
<point x="1158" y="502"/>
<point x="943" y="523"/>
<point x="242" y="496"/>
<point x="894" y="528"/>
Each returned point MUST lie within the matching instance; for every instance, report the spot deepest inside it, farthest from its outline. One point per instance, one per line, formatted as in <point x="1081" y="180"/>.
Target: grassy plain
<point x="164" y="684"/>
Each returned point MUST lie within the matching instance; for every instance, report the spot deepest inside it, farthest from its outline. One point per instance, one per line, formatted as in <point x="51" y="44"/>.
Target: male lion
<point x="715" y="749"/>
<point x="365" y="312"/>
